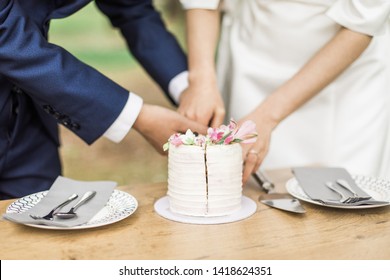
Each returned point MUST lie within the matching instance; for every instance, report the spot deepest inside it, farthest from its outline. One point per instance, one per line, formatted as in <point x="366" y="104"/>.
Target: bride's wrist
<point x="266" y="115"/>
<point x="199" y="78"/>
<point x="275" y="108"/>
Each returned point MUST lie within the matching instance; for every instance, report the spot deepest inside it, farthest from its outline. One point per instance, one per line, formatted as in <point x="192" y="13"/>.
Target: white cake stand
<point x="248" y="208"/>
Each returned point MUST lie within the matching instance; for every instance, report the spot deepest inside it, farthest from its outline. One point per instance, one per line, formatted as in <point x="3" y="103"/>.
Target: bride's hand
<point x="254" y="154"/>
<point x="203" y="103"/>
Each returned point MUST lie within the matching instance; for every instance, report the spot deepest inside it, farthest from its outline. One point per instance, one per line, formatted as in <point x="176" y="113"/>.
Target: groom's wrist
<point x="177" y="86"/>
<point x="126" y="119"/>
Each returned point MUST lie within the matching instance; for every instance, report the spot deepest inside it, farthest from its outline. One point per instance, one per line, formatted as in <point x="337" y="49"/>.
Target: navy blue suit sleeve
<point x="55" y="78"/>
<point x="154" y="47"/>
<point x="3" y="3"/>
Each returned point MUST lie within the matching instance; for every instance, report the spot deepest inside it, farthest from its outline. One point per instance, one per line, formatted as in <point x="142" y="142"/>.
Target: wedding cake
<point x="205" y="172"/>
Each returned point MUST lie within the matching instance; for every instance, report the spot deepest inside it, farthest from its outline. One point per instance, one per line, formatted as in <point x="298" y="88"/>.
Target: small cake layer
<point x="205" y="183"/>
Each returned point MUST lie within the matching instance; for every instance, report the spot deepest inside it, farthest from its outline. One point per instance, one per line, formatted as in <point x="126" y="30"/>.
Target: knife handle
<point x="263" y="181"/>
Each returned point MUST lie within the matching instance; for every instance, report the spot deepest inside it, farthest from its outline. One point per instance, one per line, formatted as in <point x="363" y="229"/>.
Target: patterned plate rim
<point x="293" y="183"/>
<point x="131" y="208"/>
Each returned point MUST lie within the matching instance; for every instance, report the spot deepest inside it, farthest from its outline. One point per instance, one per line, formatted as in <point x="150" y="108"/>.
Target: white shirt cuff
<point x="177" y="85"/>
<point x="200" y="4"/>
<point x="122" y="125"/>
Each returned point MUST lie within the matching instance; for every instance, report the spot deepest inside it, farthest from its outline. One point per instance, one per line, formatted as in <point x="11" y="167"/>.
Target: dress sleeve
<point x="200" y="4"/>
<point x="370" y="17"/>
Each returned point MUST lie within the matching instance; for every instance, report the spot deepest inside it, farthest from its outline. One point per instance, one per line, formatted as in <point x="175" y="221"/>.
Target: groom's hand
<point x="156" y="124"/>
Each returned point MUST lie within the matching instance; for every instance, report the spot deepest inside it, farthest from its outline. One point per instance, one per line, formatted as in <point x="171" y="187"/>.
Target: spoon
<point x="71" y="213"/>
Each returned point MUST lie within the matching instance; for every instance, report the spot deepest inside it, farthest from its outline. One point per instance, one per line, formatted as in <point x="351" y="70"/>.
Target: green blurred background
<point x="89" y="36"/>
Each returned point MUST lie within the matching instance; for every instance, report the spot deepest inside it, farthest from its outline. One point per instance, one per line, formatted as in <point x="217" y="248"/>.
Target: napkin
<point x="61" y="189"/>
<point x="312" y="180"/>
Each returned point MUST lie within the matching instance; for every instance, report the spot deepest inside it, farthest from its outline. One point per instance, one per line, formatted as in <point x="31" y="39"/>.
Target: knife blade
<point x="286" y="204"/>
<point x="282" y="201"/>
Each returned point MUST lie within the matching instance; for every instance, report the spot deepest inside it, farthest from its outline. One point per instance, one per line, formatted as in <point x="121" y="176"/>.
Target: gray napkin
<point x="312" y="180"/>
<point x="61" y="189"/>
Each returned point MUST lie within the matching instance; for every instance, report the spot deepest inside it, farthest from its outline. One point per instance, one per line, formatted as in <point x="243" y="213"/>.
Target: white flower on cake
<point x="205" y="172"/>
<point x="223" y="135"/>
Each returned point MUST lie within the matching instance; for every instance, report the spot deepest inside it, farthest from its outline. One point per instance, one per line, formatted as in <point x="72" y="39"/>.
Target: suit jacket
<point x="68" y="91"/>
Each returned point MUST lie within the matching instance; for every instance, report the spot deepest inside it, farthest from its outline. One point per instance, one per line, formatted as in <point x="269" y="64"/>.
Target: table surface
<point x="320" y="233"/>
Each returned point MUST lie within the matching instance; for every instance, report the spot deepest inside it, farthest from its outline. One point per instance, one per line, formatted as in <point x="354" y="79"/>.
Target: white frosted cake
<point x="205" y="171"/>
<point x="205" y="181"/>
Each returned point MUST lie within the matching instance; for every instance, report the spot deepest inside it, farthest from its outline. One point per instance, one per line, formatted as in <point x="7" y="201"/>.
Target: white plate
<point x="248" y="208"/>
<point x="377" y="188"/>
<point x="119" y="206"/>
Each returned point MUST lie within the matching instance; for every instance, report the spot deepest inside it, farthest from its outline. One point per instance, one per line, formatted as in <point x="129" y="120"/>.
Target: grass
<point x="89" y="36"/>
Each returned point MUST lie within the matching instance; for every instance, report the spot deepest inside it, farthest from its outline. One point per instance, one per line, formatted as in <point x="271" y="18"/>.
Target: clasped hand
<point x="156" y="124"/>
<point x="205" y="105"/>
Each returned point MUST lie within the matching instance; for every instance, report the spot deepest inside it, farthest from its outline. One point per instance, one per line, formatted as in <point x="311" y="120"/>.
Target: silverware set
<point x="343" y="197"/>
<point x="346" y="192"/>
<point x="66" y="215"/>
<point x="350" y="199"/>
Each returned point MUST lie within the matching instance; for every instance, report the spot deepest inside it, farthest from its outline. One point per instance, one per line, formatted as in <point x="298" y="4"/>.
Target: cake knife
<point x="282" y="201"/>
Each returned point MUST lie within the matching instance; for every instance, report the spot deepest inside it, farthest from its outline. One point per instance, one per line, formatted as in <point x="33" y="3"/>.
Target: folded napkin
<point x="312" y="180"/>
<point x="61" y="189"/>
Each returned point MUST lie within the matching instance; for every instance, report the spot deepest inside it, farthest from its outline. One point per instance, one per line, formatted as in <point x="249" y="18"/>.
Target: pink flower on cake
<point x="215" y="134"/>
<point x="176" y="140"/>
<point x="246" y="132"/>
<point x="228" y="139"/>
<point x="223" y="135"/>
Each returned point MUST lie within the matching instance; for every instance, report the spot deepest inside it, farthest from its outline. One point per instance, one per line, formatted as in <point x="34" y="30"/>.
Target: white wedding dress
<point x="264" y="42"/>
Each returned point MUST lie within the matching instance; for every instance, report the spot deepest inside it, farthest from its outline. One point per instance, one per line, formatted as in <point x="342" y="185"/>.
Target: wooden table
<point x="321" y="233"/>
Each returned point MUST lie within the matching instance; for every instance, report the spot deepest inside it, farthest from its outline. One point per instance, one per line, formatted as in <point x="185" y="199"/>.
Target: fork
<point x="343" y="197"/>
<point x="347" y="186"/>
<point x="50" y="215"/>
